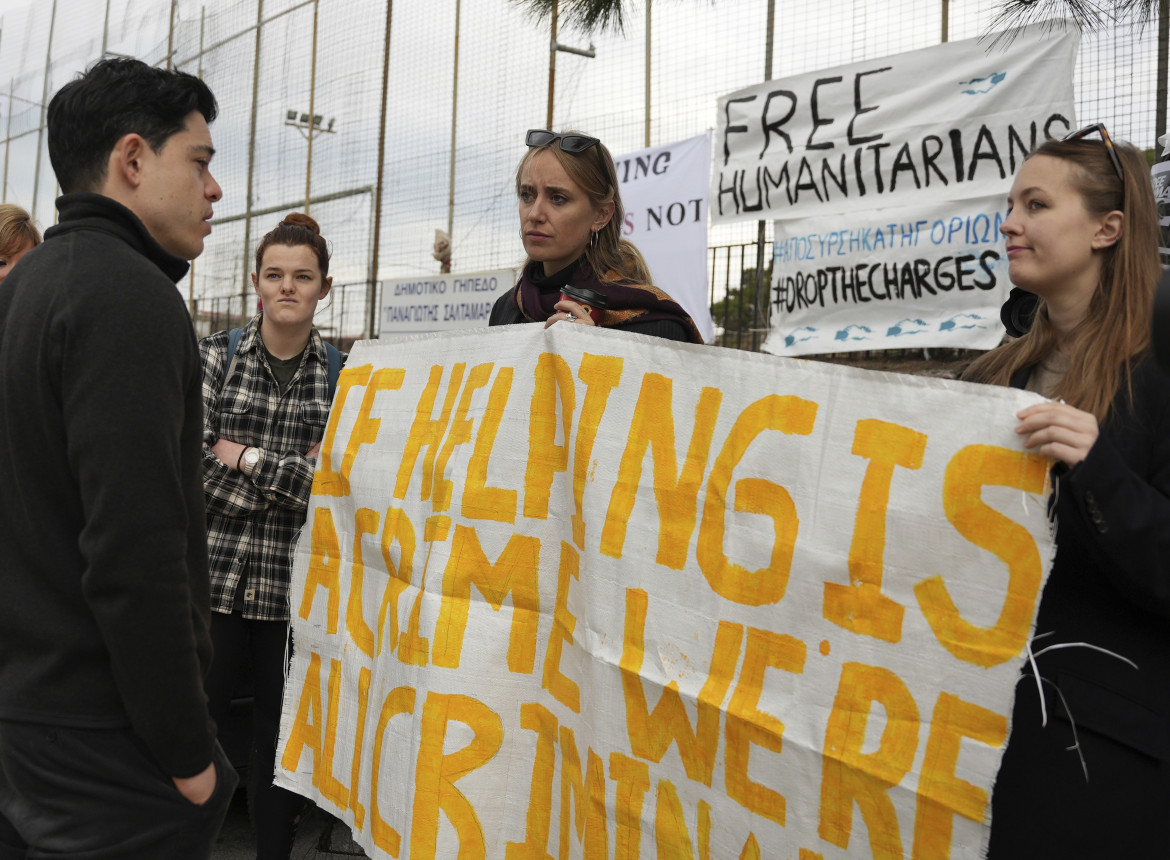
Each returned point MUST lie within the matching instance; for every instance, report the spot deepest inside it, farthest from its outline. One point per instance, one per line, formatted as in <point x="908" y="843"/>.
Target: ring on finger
<point x="570" y="317"/>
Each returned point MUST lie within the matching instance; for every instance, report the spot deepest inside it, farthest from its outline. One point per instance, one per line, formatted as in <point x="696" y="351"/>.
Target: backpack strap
<point x="334" y="357"/>
<point x="233" y="341"/>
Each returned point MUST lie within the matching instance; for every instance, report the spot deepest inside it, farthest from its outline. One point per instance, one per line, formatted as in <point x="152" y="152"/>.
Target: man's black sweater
<point x="103" y="554"/>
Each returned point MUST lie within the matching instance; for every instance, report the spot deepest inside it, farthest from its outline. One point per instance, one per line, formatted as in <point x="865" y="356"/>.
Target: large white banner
<point x="949" y="122"/>
<point x="888" y="180"/>
<point x="918" y="276"/>
<point x="575" y="593"/>
<point x="664" y="192"/>
<point x="433" y="303"/>
<point x="1160" y="177"/>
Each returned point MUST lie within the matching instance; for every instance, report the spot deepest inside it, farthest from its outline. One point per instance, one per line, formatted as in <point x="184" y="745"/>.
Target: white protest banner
<point x="928" y="275"/>
<point x="949" y="122"/>
<point x="573" y="593"/>
<point x="1160" y="177"/>
<point x="434" y="303"/>
<point x="664" y="192"/>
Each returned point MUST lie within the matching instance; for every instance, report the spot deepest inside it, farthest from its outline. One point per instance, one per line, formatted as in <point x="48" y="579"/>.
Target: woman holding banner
<point x="579" y="268"/>
<point x="267" y="390"/>
<point x="1086" y="769"/>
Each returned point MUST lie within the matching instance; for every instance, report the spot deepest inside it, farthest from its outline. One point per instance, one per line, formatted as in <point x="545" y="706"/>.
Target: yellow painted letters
<point x="437" y="773"/>
<point x="786" y="414"/>
<point x="651" y="733"/>
<point x="968" y="472"/>
<point x="849" y="775"/>
<point x="515" y="571"/>
<point x="747" y="724"/>
<point x="676" y="491"/>
<point x="861" y="606"/>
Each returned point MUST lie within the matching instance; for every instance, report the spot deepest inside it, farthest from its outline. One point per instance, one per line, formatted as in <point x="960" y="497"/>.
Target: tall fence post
<point x="44" y="103"/>
<point x="454" y="126"/>
<point x="649" y="51"/>
<point x="312" y="114"/>
<point x="372" y="285"/>
<point x="251" y="160"/>
<point x="552" y="67"/>
<point x="1163" y="66"/>
<point x="8" y="135"/>
<point x="760" y="314"/>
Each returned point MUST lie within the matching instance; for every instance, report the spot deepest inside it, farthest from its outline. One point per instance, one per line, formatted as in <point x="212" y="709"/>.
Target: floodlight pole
<point x="553" y="47"/>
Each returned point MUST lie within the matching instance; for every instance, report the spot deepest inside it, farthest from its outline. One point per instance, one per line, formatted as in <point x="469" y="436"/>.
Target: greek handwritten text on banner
<point x="574" y="593"/>
<point x="906" y="277"/>
<point x="943" y="123"/>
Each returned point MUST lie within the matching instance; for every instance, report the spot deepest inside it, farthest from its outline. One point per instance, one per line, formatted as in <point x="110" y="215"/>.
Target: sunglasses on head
<point x="572" y="143"/>
<point x="1099" y="128"/>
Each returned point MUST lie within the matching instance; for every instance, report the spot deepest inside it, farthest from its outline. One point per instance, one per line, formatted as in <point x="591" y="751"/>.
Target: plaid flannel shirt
<point x="256" y="520"/>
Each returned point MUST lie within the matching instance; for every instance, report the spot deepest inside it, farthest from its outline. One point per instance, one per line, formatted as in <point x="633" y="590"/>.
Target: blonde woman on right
<point x="1094" y="779"/>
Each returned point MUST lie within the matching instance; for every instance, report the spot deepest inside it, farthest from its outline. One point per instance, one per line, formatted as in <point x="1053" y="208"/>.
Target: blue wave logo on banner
<point x="962" y="321"/>
<point x="845" y="333"/>
<point x="979" y="86"/>
<point x="794" y="336"/>
<point x="907" y="326"/>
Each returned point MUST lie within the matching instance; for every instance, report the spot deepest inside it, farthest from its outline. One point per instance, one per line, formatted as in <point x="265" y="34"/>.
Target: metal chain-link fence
<point x="389" y="121"/>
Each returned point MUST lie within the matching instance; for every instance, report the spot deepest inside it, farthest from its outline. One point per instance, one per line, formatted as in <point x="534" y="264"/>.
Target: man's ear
<point x="126" y="160"/>
<point x="1108" y="230"/>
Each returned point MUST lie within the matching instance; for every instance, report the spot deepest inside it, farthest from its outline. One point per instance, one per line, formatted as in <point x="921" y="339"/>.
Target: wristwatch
<point x="250" y="460"/>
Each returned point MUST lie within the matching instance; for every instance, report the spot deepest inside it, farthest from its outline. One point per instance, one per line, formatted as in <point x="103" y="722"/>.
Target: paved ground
<point x="319" y="837"/>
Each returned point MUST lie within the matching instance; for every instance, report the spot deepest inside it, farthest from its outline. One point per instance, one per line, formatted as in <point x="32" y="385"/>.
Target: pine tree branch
<point x="1087" y="15"/>
<point x="589" y="15"/>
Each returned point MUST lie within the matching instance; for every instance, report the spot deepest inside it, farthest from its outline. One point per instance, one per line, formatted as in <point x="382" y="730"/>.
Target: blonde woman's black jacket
<point x="103" y="554"/>
<point x="1109" y="588"/>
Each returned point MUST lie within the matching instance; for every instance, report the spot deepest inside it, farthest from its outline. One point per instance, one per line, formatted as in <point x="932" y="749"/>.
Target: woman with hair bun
<point x="18" y="236"/>
<point x="579" y="268"/>
<point x="1088" y="755"/>
<point x="267" y="390"/>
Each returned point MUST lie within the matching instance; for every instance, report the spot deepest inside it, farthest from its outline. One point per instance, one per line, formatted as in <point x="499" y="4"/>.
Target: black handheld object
<point x="1017" y="312"/>
<point x="1160" y="323"/>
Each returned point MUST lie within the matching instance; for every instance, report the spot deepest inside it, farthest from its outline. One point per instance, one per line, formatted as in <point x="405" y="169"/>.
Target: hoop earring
<point x="593" y="239"/>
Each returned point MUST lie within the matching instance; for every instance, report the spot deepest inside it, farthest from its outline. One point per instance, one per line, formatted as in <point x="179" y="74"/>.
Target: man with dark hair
<point x="106" y="746"/>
